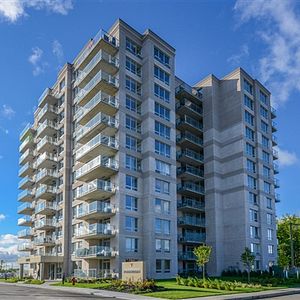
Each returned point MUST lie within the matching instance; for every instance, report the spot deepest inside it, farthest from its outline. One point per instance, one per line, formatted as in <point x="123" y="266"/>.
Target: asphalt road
<point x="12" y="292"/>
<point x="291" y="297"/>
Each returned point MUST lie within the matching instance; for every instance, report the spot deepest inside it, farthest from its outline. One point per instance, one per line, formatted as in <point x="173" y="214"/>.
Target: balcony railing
<point x="190" y="121"/>
<point x="44" y="125"/>
<point x="43" y="157"/>
<point x="193" y="221"/>
<point x="93" y="273"/>
<point x="25" y="168"/>
<point x="44" y="223"/>
<point x="45" y="172"/>
<point x="190" y="154"/>
<point x="275" y="154"/>
<point x="96" y="207"/>
<point x="25" y="130"/>
<point x="25" y="247"/>
<point x="190" y="186"/>
<point x="276" y="183"/>
<point x="183" y="87"/>
<point x="96" y="229"/>
<point x="24" y="220"/>
<point x="26" y="181"/>
<point x="186" y="255"/>
<point x="26" y="154"/>
<point x="26" y="142"/>
<point x="273" y="112"/>
<point x="47" y="108"/>
<point x="25" y="233"/>
<point x="277" y="198"/>
<point x="25" y="194"/>
<point x="190" y="137"/>
<point x="190" y="105"/>
<point x="97" y="184"/>
<point x="95" y="251"/>
<point x="276" y="168"/>
<point x="190" y="170"/>
<point x="42" y="189"/>
<point x="190" y="203"/>
<point x="44" y="240"/>
<point x="44" y="206"/>
<point x="25" y="206"/>
<point x="44" y="140"/>
<point x="192" y="237"/>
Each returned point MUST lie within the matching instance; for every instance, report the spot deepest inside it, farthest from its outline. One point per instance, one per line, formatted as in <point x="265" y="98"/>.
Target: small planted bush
<point x="34" y="281"/>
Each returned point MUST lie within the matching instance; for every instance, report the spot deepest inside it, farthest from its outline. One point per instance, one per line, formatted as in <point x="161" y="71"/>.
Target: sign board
<point x="133" y="271"/>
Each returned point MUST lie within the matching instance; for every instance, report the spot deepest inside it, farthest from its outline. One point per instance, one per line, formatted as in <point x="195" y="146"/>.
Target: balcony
<point x="94" y="126"/>
<point x="273" y="112"/>
<point x="25" y="234"/>
<point x="275" y="168"/>
<point x="26" y="209"/>
<point x="26" y="182"/>
<point x="26" y="196"/>
<point x="277" y="198"/>
<point x="46" y="241"/>
<point x="100" y="82"/>
<point x="96" y="210"/>
<point x="190" y="221"/>
<point x="96" y="231"/>
<point x="186" y="123"/>
<point x="47" y="128"/>
<point x="102" y="40"/>
<point x="28" y="130"/>
<point x="94" y="273"/>
<point x="47" y="144"/>
<point x="46" y="192"/>
<point x="46" y="176"/>
<point x="189" y="156"/>
<point x="274" y="126"/>
<point x="47" y="98"/>
<point x="27" y="156"/>
<point x="26" y="170"/>
<point x="190" y="173"/>
<point x="190" y="205"/>
<point x="28" y="143"/>
<point x="95" y="190"/>
<point x="190" y="189"/>
<point x="46" y="160"/>
<point x="45" y="224"/>
<point x="187" y="107"/>
<point x="185" y="91"/>
<point x="274" y="140"/>
<point x="106" y="145"/>
<point x="101" y="61"/>
<point x="101" y="166"/>
<point x="48" y="112"/>
<point x="45" y="208"/>
<point x="275" y="154"/>
<point x="25" y="221"/>
<point x="193" y="238"/>
<point x="189" y="140"/>
<point x="100" y="102"/>
<point x="93" y="252"/>
<point x="186" y="255"/>
<point x="276" y="183"/>
<point x="25" y="247"/>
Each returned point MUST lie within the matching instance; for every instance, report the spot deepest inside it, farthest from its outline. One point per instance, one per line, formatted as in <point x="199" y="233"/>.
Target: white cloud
<point x="4" y="130"/>
<point x="7" y="111"/>
<point x="36" y="60"/>
<point x="9" y="244"/>
<point x="2" y="216"/>
<point x="287" y="158"/>
<point x="237" y="58"/>
<point x="279" y="24"/>
<point x="57" y="50"/>
<point x="12" y="10"/>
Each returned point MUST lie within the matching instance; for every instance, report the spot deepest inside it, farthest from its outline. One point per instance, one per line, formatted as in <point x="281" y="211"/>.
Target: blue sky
<point x="38" y="36"/>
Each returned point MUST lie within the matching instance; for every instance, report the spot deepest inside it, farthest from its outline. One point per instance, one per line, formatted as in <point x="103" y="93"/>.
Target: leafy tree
<point x="248" y="260"/>
<point x="284" y="240"/>
<point x="202" y="254"/>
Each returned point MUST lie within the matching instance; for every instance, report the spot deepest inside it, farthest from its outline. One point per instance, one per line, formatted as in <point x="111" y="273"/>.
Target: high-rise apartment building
<point x="125" y="161"/>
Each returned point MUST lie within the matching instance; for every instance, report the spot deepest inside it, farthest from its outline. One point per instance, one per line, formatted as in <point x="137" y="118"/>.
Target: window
<point x="269" y="219"/>
<point x="158" y="266"/>
<point x="264" y="126"/>
<point x="252" y="198"/>
<point x="254" y="248"/>
<point x="162" y="245"/>
<point x="131" y="224"/>
<point x="266" y="157"/>
<point x="131" y="183"/>
<point x="162" y="130"/>
<point x="270" y="234"/>
<point x="265" y="142"/>
<point x="161" y="93"/>
<point x="132" y="163"/>
<point x="131" y="244"/>
<point x="133" y="66"/>
<point x="132" y="124"/>
<point x="133" y="47"/>
<point x="133" y="143"/>
<point x="132" y="104"/>
<point x="263" y="97"/>
<point x="162" y="186"/>
<point x="161" y="56"/>
<point x="167" y="265"/>
<point x="253" y="215"/>
<point x="162" y="206"/>
<point x="267" y="187"/>
<point x="269" y="203"/>
<point x="270" y="249"/>
<point x="161" y="75"/>
<point x="249" y="134"/>
<point x="162" y="111"/>
<point x="162" y="149"/>
<point x="264" y="112"/>
<point x="162" y="167"/>
<point x="248" y="87"/>
<point x="248" y="102"/>
<point x="249" y="118"/>
<point x="162" y="226"/>
<point x="133" y="86"/>
<point x="131" y="203"/>
<point x="251" y="167"/>
<point x="266" y="172"/>
<point x="251" y="182"/>
<point x="254" y="234"/>
<point x="250" y="150"/>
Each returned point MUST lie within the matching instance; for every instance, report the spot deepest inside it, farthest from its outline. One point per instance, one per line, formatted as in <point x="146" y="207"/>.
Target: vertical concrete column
<point x="21" y="271"/>
<point x="42" y="271"/>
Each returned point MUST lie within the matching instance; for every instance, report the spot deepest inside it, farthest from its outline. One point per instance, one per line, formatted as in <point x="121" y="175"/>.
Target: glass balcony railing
<point x="190" y="137"/>
<point x="25" y="233"/>
<point x="273" y="112"/>
<point x="99" y="161"/>
<point x="186" y="255"/>
<point x="46" y="93"/>
<point x="190" y="186"/>
<point x="190" y="154"/>
<point x="44" y="140"/>
<point x="43" y="157"/>
<point x="99" y="139"/>
<point x="48" y="239"/>
<point x="276" y="183"/>
<point x="191" y="203"/>
<point x="193" y="237"/>
<point x="97" y="184"/>
<point x="43" y="188"/>
<point x="276" y="168"/>
<point x="25" y="247"/>
<point x="95" y="229"/>
<point x="95" y="251"/>
<point x="26" y="181"/>
<point x="190" y="121"/>
<point x="183" y="87"/>
<point x="45" y="223"/>
<point x="44" y="206"/>
<point x="96" y="207"/>
<point x="27" y="141"/>
<point x="93" y="273"/>
<point x="25" y="194"/>
<point x="275" y="154"/>
<point x="45" y="109"/>
<point x="24" y="220"/>
<point x="44" y="125"/>
<point x="190" y="170"/>
<point x="100" y="76"/>
<point x="26" y="167"/>
<point x="23" y="132"/>
<point x="193" y="221"/>
<point x="277" y="198"/>
<point x="25" y="206"/>
<point x="45" y="172"/>
<point x="26" y="154"/>
<point x="190" y="105"/>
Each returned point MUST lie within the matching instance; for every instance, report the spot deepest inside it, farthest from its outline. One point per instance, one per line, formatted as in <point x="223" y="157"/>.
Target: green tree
<point x="202" y="254"/>
<point x="248" y="260"/>
<point x="284" y="225"/>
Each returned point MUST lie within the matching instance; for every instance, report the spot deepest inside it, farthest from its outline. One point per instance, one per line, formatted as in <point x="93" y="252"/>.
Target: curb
<point x="265" y="296"/>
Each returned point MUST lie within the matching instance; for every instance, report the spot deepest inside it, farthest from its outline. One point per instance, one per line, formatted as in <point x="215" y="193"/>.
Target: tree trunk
<point x="248" y="275"/>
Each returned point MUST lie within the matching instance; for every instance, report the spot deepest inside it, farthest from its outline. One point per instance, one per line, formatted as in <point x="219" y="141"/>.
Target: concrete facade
<point x="115" y="162"/>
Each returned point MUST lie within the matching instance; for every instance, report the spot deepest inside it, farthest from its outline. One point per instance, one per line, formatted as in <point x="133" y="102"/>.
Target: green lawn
<point x="83" y="285"/>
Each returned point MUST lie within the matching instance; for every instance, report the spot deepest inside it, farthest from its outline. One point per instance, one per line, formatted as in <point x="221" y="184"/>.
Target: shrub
<point x="34" y="281"/>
